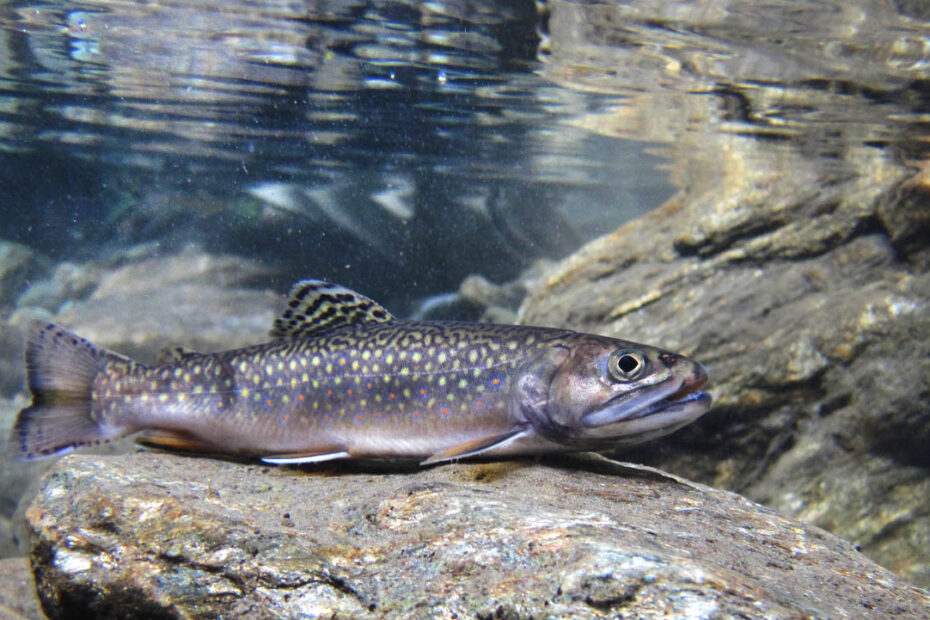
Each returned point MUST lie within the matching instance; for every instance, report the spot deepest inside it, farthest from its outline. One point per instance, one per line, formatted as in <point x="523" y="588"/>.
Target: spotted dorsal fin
<point x="171" y="355"/>
<point x="318" y="306"/>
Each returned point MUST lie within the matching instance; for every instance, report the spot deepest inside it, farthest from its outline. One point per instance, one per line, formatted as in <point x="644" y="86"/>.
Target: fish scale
<point x="345" y="379"/>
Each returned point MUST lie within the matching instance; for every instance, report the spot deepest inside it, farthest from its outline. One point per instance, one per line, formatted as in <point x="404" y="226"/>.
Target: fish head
<point x="592" y="391"/>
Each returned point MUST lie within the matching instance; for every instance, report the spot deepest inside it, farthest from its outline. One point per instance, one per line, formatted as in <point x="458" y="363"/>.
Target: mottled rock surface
<point x="18" y="599"/>
<point x="163" y="536"/>
<point x="796" y="266"/>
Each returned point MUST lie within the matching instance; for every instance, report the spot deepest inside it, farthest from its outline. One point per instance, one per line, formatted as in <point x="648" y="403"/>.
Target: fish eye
<point x="626" y="365"/>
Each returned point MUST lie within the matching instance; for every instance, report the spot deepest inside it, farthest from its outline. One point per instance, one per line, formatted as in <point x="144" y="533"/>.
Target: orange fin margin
<point x="479" y="446"/>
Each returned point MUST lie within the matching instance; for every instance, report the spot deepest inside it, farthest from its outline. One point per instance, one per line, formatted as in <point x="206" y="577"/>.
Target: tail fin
<point x="61" y="368"/>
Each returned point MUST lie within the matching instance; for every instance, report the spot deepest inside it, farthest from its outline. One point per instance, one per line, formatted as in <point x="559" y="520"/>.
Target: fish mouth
<point x="675" y="407"/>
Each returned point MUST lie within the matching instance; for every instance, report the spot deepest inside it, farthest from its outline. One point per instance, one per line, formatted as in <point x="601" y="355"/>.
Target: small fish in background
<point x="343" y="379"/>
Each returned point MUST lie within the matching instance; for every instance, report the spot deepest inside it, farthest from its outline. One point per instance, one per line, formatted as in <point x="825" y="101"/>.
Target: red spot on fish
<point x="392" y="395"/>
<point x="301" y="397"/>
<point x="219" y="405"/>
<point x="349" y="392"/>
<point x="284" y="418"/>
<point x="342" y="361"/>
<point x="368" y="385"/>
<point x="480" y="403"/>
<point x="359" y="418"/>
<point x="496" y="381"/>
<point x="416" y="414"/>
<point x="329" y="392"/>
<point x="445" y="412"/>
<point x="326" y="418"/>
<point x="377" y="415"/>
<point x="422" y="392"/>
<point x="268" y="402"/>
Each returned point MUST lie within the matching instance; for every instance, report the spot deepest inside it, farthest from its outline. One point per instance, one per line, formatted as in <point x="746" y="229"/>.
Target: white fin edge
<point x="311" y="458"/>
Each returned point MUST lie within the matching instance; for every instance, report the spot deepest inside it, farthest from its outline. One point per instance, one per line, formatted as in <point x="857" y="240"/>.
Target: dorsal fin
<point x="171" y="355"/>
<point x="318" y="306"/>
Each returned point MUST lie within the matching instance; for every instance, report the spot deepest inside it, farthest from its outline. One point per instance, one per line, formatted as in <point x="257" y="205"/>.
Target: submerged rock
<point x="164" y="536"/>
<point x="794" y="261"/>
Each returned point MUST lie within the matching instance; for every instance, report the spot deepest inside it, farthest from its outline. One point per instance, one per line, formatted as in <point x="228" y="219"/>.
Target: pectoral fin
<point x="308" y="457"/>
<point x="479" y="446"/>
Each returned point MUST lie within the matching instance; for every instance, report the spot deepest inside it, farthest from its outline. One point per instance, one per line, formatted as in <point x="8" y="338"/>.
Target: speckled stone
<point x="164" y="536"/>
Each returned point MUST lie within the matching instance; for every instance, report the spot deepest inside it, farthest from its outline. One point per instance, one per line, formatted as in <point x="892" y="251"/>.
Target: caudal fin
<point x="61" y="368"/>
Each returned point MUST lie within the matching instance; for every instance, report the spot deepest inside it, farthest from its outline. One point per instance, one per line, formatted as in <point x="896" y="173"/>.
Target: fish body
<point x="344" y="379"/>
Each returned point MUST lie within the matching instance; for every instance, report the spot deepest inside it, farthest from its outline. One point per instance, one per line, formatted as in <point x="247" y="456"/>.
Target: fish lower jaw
<point x="666" y="412"/>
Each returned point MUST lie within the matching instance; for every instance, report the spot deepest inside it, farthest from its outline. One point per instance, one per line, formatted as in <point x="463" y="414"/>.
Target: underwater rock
<point x="183" y="299"/>
<point x="159" y="535"/>
<point x="18" y="265"/>
<point x="18" y="600"/>
<point x="794" y="260"/>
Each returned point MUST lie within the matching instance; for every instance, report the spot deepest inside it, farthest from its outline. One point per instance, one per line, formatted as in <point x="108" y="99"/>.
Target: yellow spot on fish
<point x="213" y="389"/>
<point x="269" y="369"/>
<point x="377" y="398"/>
<point x="450" y="397"/>
<point x="243" y="366"/>
<point x="428" y="367"/>
<point x="442" y="358"/>
<point x="144" y="397"/>
<point x="404" y="371"/>
<point x="198" y="389"/>
<point x="244" y="392"/>
<point x="417" y="356"/>
<point x="354" y="364"/>
<point x="463" y="384"/>
<point x="473" y="356"/>
<point x="162" y="398"/>
<point x="512" y="345"/>
<point x="154" y="385"/>
<point x="431" y="402"/>
<point x="256" y="379"/>
<point x="280" y="382"/>
<point x="293" y="382"/>
<point x="366" y="354"/>
<point x="316" y="383"/>
<point x="337" y="380"/>
<point x="376" y="368"/>
<point x="329" y="368"/>
<point x="197" y="369"/>
<point x="187" y="377"/>
<point x="406" y="392"/>
<point x="389" y="359"/>
<point x="181" y="397"/>
<point x="285" y="399"/>
<point x="292" y="365"/>
<point x="363" y="402"/>
<point x="442" y="381"/>
<point x="177" y="373"/>
<point x="316" y="361"/>
<point x="303" y="362"/>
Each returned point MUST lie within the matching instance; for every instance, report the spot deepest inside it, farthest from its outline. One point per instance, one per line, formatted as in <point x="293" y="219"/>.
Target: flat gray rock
<point x="163" y="536"/>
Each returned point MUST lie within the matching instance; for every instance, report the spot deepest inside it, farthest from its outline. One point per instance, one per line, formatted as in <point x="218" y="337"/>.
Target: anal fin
<point x="176" y="441"/>
<point x="306" y="457"/>
<point x="479" y="446"/>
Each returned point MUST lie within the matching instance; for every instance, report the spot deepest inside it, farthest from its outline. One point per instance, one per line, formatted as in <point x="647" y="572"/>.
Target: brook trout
<point x="343" y="379"/>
